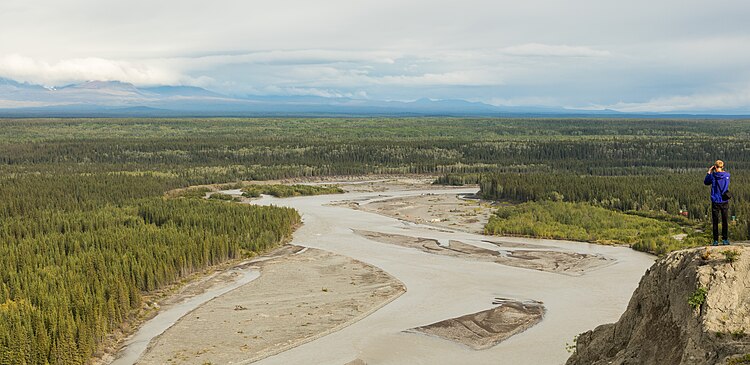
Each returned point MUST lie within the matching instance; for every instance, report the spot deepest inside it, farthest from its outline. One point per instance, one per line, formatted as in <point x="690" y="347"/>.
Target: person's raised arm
<point x="709" y="177"/>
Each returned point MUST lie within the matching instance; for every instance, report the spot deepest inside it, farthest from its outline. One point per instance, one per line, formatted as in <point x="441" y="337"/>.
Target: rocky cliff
<point x="691" y="307"/>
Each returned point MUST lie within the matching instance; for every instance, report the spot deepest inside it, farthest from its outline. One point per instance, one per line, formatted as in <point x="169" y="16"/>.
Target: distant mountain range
<point x="119" y="99"/>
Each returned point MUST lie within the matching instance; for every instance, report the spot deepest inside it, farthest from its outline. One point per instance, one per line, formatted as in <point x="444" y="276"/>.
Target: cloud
<point x="301" y="91"/>
<point x="737" y="101"/>
<point x="453" y="78"/>
<point x="28" y="69"/>
<point x="287" y="57"/>
<point x="548" y="50"/>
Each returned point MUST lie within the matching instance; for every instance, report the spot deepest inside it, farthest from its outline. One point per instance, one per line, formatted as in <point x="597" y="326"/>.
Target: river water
<point x="440" y="287"/>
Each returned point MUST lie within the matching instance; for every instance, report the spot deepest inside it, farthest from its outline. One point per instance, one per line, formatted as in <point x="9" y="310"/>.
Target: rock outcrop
<point x="691" y="307"/>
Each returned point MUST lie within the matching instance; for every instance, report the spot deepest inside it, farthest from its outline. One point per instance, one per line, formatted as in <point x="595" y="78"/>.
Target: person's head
<point x="719" y="165"/>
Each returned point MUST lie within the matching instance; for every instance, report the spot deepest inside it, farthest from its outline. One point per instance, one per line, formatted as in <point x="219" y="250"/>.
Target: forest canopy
<point x="86" y="229"/>
<point x="284" y="191"/>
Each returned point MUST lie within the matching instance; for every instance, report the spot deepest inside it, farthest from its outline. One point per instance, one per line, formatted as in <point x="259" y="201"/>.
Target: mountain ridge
<point x="122" y="99"/>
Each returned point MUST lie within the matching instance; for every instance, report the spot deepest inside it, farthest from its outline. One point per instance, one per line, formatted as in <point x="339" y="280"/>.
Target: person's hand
<point x="711" y="168"/>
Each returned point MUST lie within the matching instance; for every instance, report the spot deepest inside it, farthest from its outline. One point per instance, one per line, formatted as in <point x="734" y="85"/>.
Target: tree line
<point x="203" y="151"/>
<point x="85" y="229"/>
<point x="666" y="196"/>
<point x="78" y="253"/>
<point x="284" y="191"/>
<point x="584" y="222"/>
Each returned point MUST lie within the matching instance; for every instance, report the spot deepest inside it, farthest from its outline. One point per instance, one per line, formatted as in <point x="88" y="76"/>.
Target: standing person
<point x="719" y="181"/>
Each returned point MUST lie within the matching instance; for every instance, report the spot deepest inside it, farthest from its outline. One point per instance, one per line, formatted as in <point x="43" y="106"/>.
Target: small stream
<point x="136" y="345"/>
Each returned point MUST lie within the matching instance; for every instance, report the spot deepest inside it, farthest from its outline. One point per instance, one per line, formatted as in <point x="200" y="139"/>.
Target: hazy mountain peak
<point x="96" y="84"/>
<point x="180" y="90"/>
<point x="4" y="81"/>
<point x="118" y="98"/>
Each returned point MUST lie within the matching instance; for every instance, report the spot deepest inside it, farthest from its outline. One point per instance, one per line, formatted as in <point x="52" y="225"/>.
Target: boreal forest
<point x="89" y="223"/>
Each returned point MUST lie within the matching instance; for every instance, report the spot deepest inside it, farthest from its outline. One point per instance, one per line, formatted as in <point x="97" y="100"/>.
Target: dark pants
<point x="716" y="209"/>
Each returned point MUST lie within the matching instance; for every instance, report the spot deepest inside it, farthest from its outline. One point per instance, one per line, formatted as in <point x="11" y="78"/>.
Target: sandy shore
<point x="442" y="287"/>
<point x="306" y="311"/>
<point x="352" y="183"/>
<point x="297" y="298"/>
<point x="162" y="307"/>
<point x="489" y="327"/>
<point x="441" y="210"/>
<point x="571" y="263"/>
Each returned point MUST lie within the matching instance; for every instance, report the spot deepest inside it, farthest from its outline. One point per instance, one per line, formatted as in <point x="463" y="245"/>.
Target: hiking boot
<point x="715" y="243"/>
<point x="725" y="242"/>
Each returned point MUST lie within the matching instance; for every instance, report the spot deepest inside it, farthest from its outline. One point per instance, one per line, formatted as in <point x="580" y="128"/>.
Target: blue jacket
<point x="719" y="182"/>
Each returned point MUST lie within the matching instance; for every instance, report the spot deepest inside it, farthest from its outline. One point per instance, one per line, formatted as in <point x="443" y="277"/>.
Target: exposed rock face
<point x="660" y="326"/>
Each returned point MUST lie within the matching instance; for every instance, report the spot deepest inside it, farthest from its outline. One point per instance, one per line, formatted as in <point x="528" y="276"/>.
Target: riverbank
<point x="442" y="287"/>
<point x="450" y="211"/>
<point x="164" y="307"/>
<point x="458" y="285"/>
<point x="298" y="297"/>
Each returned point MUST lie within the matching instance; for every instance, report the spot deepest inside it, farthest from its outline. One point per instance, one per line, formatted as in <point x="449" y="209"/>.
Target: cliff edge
<point x="691" y="307"/>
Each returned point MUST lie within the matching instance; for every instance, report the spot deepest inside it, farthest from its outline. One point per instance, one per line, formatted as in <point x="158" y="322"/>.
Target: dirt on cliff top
<point x="691" y="307"/>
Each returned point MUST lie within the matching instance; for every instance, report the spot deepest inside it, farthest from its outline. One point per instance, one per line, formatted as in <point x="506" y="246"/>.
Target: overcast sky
<point x="636" y="55"/>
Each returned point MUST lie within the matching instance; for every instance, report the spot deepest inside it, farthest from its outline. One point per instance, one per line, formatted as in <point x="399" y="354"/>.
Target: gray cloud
<point x="673" y="55"/>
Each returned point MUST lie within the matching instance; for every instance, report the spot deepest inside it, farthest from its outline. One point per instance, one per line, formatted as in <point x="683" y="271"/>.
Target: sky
<point x="633" y="56"/>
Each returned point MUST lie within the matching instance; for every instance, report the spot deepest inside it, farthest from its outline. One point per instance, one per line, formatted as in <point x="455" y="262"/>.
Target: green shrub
<point x="741" y="360"/>
<point x="283" y="191"/>
<point x="698" y="298"/>
<point x="731" y="255"/>
<point x="193" y="193"/>
<point x="571" y="347"/>
<point x="584" y="222"/>
<point x="220" y="196"/>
